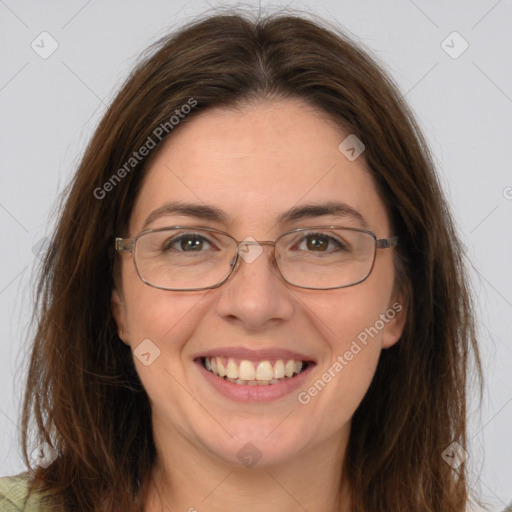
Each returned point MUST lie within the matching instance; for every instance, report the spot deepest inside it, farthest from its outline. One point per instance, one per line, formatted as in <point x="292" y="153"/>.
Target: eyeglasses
<point x="182" y="258"/>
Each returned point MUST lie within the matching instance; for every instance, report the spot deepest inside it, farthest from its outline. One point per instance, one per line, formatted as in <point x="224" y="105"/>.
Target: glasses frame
<point x="129" y="244"/>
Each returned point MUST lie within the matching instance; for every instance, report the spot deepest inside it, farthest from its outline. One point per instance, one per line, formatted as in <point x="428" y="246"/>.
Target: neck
<point x="185" y="478"/>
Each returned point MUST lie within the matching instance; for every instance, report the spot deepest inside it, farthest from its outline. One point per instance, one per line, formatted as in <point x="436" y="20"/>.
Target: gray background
<point x="49" y="108"/>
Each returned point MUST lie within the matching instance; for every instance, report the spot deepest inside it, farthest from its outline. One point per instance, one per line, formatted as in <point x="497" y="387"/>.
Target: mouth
<point x="244" y="372"/>
<point x="252" y="375"/>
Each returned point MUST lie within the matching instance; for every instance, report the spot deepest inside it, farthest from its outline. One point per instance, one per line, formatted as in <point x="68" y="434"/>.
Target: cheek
<point x="352" y="322"/>
<point x="160" y="325"/>
<point x="158" y="315"/>
<point x="355" y="341"/>
<point x="353" y="338"/>
<point x="352" y="314"/>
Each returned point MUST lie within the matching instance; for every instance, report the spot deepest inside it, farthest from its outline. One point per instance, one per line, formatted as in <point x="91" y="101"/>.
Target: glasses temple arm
<point x="385" y="243"/>
<point x="124" y="244"/>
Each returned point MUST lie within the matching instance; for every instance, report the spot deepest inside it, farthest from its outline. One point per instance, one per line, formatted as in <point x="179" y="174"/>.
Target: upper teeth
<point x="249" y="370"/>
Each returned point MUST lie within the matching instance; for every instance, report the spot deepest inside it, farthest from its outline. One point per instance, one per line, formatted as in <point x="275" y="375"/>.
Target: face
<point x="254" y="164"/>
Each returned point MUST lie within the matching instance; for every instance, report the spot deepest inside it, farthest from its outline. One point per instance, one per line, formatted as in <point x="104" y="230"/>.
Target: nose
<point x="255" y="294"/>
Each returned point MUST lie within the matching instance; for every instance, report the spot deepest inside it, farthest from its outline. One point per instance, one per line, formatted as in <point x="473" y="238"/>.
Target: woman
<point x="255" y="296"/>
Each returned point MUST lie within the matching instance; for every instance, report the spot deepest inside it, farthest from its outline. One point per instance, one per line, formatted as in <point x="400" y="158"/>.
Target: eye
<point x="320" y="242"/>
<point x="187" y="242"/>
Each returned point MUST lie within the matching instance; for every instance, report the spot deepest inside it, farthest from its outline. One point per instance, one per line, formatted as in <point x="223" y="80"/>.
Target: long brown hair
<point x="83" y="391"/>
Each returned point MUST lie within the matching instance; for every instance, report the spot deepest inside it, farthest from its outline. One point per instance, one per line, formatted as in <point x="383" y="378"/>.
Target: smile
<point x="249" y="375"/>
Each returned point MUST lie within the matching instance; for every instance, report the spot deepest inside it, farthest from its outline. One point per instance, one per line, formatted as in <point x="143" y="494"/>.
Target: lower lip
<point x="245" y="393"/>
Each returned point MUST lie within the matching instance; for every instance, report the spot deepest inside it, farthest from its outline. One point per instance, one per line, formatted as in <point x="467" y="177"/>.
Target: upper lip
<point x="254" y="355"/>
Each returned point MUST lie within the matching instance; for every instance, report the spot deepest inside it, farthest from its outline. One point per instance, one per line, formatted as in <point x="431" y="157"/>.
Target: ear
<point x="394" y="318"/>
<point x="119" y="312"/>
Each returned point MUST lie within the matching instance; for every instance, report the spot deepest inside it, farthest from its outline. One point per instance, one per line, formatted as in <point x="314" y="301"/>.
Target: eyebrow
<point x="212" y="213"/>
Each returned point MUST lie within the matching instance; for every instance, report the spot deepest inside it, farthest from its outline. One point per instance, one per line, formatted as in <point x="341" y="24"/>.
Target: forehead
<point x="256" y="162"/>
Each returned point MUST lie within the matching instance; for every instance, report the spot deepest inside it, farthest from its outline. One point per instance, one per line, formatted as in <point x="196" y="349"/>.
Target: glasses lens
<point x="184" y="259"/>
<point x="325" y="258"/>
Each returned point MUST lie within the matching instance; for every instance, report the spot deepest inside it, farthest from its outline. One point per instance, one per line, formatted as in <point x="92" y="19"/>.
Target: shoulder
<point x="15" y="495"/>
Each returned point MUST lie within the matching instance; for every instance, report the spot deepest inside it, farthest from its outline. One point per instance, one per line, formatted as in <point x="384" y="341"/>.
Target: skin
<point x="286" y="152"/>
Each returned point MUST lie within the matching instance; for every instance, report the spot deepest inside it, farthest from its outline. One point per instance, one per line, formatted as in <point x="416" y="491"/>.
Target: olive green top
<point x="15" y="496"/>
